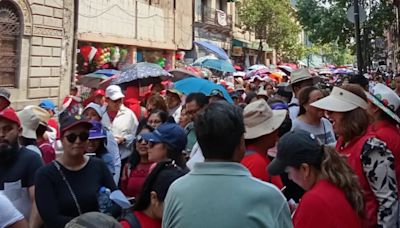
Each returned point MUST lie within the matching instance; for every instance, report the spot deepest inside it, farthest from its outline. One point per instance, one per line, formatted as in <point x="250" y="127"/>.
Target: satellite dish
<point x="350" y="14"/>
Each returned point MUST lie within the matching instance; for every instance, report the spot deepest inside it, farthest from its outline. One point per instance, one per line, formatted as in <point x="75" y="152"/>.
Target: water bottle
<point x="104" y="200"/>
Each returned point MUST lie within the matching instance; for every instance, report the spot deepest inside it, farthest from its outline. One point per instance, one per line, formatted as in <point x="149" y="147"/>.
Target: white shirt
<point x="124" y="125"/>
<point x="196" y="156"/>
<point x="294" y="108"/>
<point x="9" y="214"/>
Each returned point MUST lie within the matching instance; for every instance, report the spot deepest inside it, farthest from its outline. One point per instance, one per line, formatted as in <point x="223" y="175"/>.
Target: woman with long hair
<point x="367" y="154"/>
<point x="68" y="186"/>
<point x="138" y="166"/>
<point x="312" y="119"/>
<point x="148" y="210"/>
<point x="168" y="141"/>
<point x="333" y="195"/>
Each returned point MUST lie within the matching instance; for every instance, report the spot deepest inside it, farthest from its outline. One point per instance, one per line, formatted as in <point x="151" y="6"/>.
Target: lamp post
<point x="357" y="36"/>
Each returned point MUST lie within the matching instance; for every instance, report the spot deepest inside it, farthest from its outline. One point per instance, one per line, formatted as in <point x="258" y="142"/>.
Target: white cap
<point x="114" y="92"/>
<point x="30" y="122"/>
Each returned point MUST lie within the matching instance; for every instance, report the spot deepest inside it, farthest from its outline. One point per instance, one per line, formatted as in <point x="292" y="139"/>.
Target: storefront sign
<point x="237" y="51"/>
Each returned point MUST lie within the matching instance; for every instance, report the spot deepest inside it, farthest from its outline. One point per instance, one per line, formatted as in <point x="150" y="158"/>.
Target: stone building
<point x="36" y="43"/>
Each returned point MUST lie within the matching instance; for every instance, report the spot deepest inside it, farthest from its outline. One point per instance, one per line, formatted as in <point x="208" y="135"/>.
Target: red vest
<point x="353" y="152"/>
<point x="390" y="134"/>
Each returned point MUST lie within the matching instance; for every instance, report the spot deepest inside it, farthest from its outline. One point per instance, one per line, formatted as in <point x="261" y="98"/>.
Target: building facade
<point x="122" y="32"/>
<point x="36" y="43"/>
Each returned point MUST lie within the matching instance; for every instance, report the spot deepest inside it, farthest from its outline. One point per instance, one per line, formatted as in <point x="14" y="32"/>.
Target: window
<point x="10" y="36"/>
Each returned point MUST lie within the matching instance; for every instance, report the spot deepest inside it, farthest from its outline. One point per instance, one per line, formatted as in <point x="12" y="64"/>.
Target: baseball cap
<point x="169" y="133"/>
<point x="47" y="104"/>
<point x="68" y="121"/>
<point x="99" y="92"/>
<point x="216" y="92"/>
<point x="97" y="131"/>
<point x="114" y="92"/>
<point x="11" y="115"/>
<point x="294" y="148"/>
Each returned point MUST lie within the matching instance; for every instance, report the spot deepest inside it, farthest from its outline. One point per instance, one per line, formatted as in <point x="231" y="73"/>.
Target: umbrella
<point x="239" y="74"/>
<point x="286" y="69"/>
<point x="213" y="48"/>
<point x="92" y="80"/>
<point x="261" y="72"/>
<point x="143" y="72"/>
<point x="185" y="72"/>
<point x="200" y="85"/>
<point x="325" y="71"/>
<point x="217" y="64"/>
<point x="342" y="71"/>
<point x="256" y="67"/>
<point x="200" y="60"/>
<point x="107" y="72"/>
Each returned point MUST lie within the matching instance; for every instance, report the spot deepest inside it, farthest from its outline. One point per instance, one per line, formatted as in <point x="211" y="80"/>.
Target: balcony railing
<point x="214" y="17"/>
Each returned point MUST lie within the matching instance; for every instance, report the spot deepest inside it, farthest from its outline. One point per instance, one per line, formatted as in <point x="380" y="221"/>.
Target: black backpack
<point x="130" y="217"/>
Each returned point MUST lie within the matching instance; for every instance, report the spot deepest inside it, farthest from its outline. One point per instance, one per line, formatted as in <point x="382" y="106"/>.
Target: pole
<point x="358" y="42"/>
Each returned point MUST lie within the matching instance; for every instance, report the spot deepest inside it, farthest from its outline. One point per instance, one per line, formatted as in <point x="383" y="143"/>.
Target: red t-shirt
<point x="48" y="152"/>
<point x="257" y="164"/>
<point x="112" y="114"/>
<point x="133" y="185"/>
<point x="326" y="206"/>
<point x="144" y="220"/>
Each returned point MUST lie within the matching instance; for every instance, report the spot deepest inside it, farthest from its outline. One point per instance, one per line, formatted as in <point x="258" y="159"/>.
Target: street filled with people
<point x="267" y="147"/>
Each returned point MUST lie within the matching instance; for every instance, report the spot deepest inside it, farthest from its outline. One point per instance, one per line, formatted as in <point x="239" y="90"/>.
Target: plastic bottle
<point x="104" y="200"/>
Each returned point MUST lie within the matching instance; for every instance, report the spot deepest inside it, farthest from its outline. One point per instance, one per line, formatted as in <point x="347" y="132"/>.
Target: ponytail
<point x="335" y="169"/>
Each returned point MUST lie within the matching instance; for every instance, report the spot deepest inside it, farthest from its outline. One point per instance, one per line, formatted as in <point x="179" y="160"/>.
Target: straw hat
<point x="260" y="119"/>
<point x="340" y="100"/>
<point x="385" y="99"/>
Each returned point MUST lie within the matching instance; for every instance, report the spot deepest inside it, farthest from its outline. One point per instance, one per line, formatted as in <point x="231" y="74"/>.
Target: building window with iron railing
<point x="10" y="39"/>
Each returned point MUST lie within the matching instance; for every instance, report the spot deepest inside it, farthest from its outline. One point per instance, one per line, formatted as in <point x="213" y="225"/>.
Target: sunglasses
<point x="152" y="144"/>
<point x="140" y="139"/>
<point x="84" y="136"/>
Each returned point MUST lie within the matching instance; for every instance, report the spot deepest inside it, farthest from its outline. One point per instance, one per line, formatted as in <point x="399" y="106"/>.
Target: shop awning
<point x="239" y="42"/>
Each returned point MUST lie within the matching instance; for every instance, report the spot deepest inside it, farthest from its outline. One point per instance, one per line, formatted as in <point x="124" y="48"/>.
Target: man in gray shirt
<point x="221" y="192"/>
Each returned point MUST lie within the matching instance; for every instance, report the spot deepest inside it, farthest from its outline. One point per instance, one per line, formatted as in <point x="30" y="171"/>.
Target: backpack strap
<point x="131" y="218"/>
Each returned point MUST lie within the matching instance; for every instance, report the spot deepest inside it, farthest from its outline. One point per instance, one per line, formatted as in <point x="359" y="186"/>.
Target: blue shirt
<point x="224" y="194"/>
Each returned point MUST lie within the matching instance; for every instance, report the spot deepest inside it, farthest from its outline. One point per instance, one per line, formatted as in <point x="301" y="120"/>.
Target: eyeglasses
<point x="84" y="136"/>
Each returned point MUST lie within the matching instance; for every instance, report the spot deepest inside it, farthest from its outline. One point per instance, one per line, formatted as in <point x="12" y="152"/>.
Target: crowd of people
<point x="289" y="154"/>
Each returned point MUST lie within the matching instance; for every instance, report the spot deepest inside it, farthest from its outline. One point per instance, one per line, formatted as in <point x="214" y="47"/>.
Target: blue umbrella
<point x="218" y="64"/>
<point x="199" y="85"/>
<point x="107" y="72"/>
<point x="213" y="48"/>
<point x="92" y="80"/>
<point x="143" y="72"/>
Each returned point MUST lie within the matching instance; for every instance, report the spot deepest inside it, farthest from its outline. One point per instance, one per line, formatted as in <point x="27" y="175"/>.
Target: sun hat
<point x="30" y="122"/>
<point x="385" y="99"/>
<point x="262" y="92"/>
<point x="169" y="133"/>
<point x="41" y="113"/>
<point x="95" y="107"/>
<point x="93" y="220"/>
<point x="97" y="131"/>
<point x="299" y="76"/>
<point x="47" y="104"/>
<point x="67" y="121"/>
<point x="294" y="148"/>
<point x="114" y="92"/>
<point x="11" y="115"/>
<point x="340" y="100"/>
<point x="260" y="119"/>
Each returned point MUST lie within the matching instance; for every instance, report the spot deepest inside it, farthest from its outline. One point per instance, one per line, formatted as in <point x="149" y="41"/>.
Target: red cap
<point x="99" y="92"/>
<point x="10" y="115"/>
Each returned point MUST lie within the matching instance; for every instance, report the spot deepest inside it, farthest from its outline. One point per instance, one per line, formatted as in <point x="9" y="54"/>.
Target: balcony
<point x="213" y="19"/>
